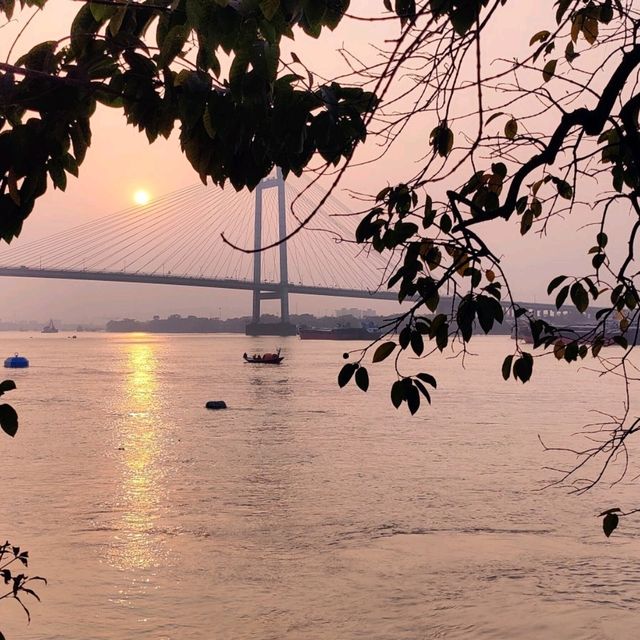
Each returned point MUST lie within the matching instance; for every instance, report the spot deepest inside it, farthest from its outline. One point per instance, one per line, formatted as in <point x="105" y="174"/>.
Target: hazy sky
<point x="120" y="161"/>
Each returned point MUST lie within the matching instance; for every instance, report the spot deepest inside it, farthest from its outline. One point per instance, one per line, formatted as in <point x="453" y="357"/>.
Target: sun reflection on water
<point x="142" y="476"/>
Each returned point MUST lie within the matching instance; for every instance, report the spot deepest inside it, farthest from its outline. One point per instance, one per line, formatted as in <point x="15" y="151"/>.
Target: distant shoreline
<point x="193" y="324"/>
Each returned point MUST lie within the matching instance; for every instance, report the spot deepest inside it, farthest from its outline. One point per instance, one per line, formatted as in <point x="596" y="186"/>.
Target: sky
<point x="120" y="161"/>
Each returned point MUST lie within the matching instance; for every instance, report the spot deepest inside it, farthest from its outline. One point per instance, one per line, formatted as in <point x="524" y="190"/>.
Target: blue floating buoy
<point x="216" y="404"/>
<point x="16" y="362"/>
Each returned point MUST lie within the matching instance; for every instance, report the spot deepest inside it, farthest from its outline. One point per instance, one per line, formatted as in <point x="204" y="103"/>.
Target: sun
<point x="142" y="197"/>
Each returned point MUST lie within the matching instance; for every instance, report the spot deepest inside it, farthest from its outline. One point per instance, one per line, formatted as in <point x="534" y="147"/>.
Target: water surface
<point x="303" y="511"/>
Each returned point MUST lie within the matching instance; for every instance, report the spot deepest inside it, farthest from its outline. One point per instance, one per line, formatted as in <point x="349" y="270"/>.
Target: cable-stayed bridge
<point x="177" y="240"/>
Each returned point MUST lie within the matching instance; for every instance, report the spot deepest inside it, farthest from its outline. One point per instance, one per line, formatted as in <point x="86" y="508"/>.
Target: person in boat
<point x="244" y="355"/>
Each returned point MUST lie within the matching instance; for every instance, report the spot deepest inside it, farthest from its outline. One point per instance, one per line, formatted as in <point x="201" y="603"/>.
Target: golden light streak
<point x="142" y="475"/>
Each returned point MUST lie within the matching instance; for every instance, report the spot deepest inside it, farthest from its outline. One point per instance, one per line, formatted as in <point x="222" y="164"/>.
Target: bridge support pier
<point x="284" y="327"/>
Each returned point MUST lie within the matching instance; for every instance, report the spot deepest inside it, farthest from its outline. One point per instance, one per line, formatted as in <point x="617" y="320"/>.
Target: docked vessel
<point x="579" y="333"/>
<point x="264" y="358"/>
<point x="340" y="333"/>
<point x="49" y="328"/>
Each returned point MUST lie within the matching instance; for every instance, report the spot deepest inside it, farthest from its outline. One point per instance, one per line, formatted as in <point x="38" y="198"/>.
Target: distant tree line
<point x="192" y="324"/>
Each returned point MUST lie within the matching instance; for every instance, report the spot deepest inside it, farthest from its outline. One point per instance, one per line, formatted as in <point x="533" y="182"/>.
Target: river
<point x="302" y="511"/>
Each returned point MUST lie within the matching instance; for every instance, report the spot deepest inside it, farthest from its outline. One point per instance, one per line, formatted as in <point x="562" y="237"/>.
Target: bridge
<point x="176" y="240"/>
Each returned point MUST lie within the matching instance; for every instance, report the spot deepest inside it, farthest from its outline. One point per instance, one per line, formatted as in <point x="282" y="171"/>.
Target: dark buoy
<point x="16" y="362"/>
<point x="216" y="404"/>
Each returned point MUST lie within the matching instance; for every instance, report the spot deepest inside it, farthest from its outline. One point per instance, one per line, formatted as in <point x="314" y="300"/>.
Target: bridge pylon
<point x="284" y="327"/>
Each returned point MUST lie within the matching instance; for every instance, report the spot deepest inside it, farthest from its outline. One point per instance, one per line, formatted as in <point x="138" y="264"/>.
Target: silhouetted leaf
<point x="511" y="129"/>
<point x="442" y="140"/>
<point x="579" y="297"/>
<point x="630" y="299"/>
<point x="526" y="222"/>
<point x="465" y="315"/>
<point x="422" y="390"/>
<point x="346" y="373"/>
<point x="442" y="336"/>
<point x="417" y="343"/>
<point x="571" y="352"/>
<point x="506" y="367"/>
<point x="405" y="9"/>
<point x="269" y="8"/>
<point x="445" y="223"/>
<point x="541" y="36"/>
<point x="173" y="43"/>
<point x="362" y="378"/>
<point x="609" y="523"/>
<point x="621" y="341"/>
<point x="384" y="351"/>
<point x="493" y="116"/>
<point x="486" y="312"/>
<point x="101" y="12"/>
<point x="590" y="29"/>
<point x="413" y="399"/>
<point x="598" y="343"/>
<point x="593" y="290"/>
<point x="8" y="419"/>
<point x="565" y="190"/>
<point x="523" y="367"/>
<point x="429" y="379"/>
<point x="556" y="282"/>
<point x="7" y="385"/>
<point x="397" y="393"/>
<point x="404" y="338"/>
<point x="549" y="70"/>
<point x="562" y="296"/>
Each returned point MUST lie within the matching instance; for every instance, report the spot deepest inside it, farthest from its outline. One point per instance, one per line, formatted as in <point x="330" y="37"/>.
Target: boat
<point x="16" y="362"/>
<point x="264" y="358"/>
<point x="340" y="333"/>
<point x="49" y="328"/>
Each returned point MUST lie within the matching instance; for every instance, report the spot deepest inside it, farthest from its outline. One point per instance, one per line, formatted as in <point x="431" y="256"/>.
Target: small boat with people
<point x="264" y="358"/>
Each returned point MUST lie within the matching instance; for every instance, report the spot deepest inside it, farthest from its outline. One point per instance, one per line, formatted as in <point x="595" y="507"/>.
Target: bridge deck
<point x="223" y="283"/>
<point x="187" y="281"/>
